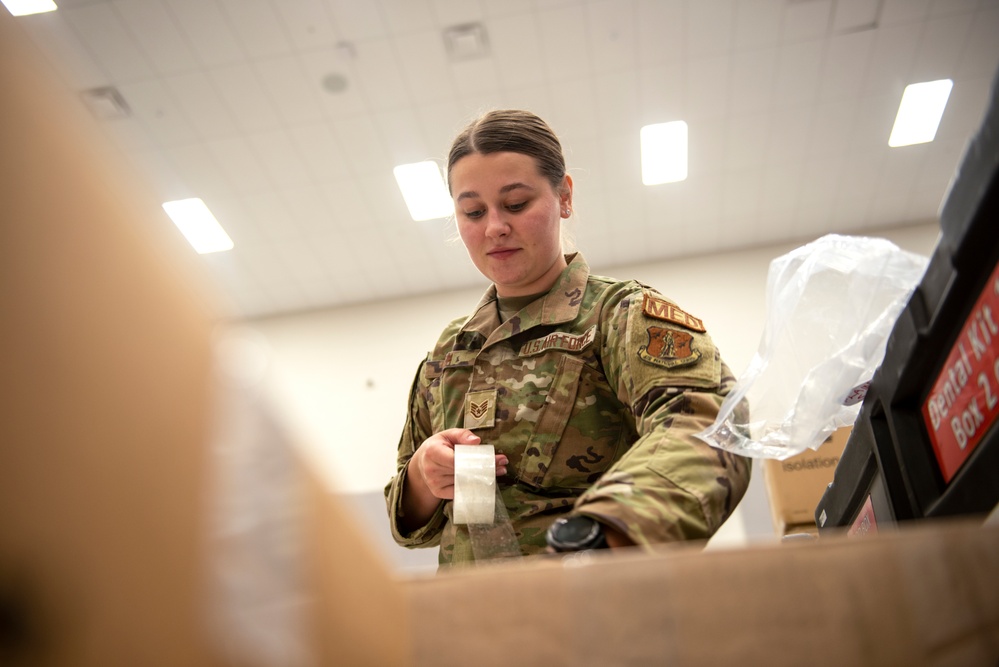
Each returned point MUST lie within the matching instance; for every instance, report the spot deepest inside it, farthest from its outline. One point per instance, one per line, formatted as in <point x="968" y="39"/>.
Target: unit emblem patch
<point x="669" y="348"/>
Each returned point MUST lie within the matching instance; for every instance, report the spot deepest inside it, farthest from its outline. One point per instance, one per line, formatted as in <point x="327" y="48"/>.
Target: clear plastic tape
<point x="479" y="505"/>
<point x="474" y="484"/>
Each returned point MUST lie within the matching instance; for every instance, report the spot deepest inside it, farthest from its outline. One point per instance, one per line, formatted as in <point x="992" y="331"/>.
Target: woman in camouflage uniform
<point x="589" y="388"/>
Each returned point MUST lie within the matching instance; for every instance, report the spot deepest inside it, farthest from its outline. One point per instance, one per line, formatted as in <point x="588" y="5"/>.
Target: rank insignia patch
<point x="661" y="309"/>
<point x="480" y="409"/>
<point x="669" y="348"/>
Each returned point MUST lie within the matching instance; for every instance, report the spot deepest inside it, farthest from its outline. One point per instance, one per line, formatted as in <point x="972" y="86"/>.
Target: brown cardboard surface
<point x="832" y="601"/>
<point x="107" y="412"/>
<point x="795" y="485"/>
<point x="103" y="400"/>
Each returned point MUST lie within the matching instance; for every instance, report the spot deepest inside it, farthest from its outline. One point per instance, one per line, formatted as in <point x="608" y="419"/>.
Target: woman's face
<point x="508" y="217"/>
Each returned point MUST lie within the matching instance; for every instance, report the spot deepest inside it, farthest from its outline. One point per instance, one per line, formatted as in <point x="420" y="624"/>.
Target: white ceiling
<point x="789" y="105"/>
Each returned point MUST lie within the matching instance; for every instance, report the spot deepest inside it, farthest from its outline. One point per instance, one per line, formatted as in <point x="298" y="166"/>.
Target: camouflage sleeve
<point x="416" y="430"/>
<point x="668" y="485"/>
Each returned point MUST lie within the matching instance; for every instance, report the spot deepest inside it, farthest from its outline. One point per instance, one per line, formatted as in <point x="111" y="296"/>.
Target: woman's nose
<point x="496" y="223"/>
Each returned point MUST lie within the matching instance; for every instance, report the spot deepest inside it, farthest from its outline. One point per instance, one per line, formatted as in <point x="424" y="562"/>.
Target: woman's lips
<point x="502" y="253"/>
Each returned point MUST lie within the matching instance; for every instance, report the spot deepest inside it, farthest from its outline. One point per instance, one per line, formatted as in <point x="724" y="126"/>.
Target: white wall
<point x="343" y="375"/>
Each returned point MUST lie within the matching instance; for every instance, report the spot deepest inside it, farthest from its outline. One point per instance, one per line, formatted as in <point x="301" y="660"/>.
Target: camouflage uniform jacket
<point x="593" y="392"/>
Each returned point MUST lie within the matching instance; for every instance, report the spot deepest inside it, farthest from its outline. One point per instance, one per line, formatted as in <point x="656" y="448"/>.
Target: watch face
<point x="576" y="531"/>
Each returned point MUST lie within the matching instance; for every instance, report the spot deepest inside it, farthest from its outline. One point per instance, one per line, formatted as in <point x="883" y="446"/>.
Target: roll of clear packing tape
<point x="474" y="484"/>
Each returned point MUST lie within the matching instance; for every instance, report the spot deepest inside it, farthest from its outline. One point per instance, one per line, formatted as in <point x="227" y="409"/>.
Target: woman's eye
<point x="473" y="214"/>
<point x="516" y="207"/>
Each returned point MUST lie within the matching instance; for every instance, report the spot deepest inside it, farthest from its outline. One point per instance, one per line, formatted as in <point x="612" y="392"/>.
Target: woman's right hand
<point x="430" y="475"/>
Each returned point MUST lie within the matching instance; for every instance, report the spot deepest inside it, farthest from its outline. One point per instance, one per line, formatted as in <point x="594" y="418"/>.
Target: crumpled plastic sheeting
<point x="831" y="306"/>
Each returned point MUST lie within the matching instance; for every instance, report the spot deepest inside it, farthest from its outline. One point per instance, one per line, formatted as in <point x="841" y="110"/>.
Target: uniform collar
<point x="560" y="305"/>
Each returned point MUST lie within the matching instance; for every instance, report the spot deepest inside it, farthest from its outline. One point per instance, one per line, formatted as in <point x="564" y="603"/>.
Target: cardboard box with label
<point x="795" y="485"/>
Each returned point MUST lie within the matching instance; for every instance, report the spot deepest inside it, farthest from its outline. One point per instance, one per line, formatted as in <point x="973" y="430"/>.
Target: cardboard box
<point x="795" y="485"/>
<point x="113" y="543"/>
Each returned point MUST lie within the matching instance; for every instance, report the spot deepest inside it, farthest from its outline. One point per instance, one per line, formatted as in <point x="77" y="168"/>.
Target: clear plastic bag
<point x="831" y="305"/>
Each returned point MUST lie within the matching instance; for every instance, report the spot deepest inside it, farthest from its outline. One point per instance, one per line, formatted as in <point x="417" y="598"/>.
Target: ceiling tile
<point x="321" y="151"/>
<point x="455" y="12"/>
<point x="710" y="28"/>
<point x="243" y="95"/>
<point x="237" y="159"/>
<point x="475" y="78"/>
<point x="269" y="212"/>
<point x="379" y="76"/>
<point x="790" y="134"/>
<point x="157" y="35"/>
<point x="981" y="54"/>
<point x="402" y="16"/>
<point x="308" y="24"/>
<point x="707" y="87"/>
<point x="563" y="43"/>
<point x="402" y="135"/>
<point x="207" y="31"/>
<point x="891" y="59"/>
<point x="422" y="59"/>
<point x="359" y="138"/>
<point x="281" y="161"/>
<point x="348" y="205"/>
<point x="355" y="21"/>
<point x="846" y="58"/>
<point x="757" y="24"/>
<point x="64" y="50"/>
<point x="196" y="95"/>
<point x="746" y="141"/>
<point x="618" y="101"/>
<point x="578" y="118"/>
<point x="611" y="28"/>
<point x="806" y="20"/>
<point x="832" y="128"/>
<point x="940" y="47"/>
<point x="110" y="42"/>
<point x="295" y="97"/>
<point x="854" y="15"/>
<point x="196" y="167"/>
<point x="661" y="94"/>
<point x="799" y="67"/>
<point x="517" y="49"/>
<point x="153" y="104"/>
<point x="896" y="12"/>
<point x="257" y="27"/>
<point x="661" y="33"/>
<point x="753" y="81"/>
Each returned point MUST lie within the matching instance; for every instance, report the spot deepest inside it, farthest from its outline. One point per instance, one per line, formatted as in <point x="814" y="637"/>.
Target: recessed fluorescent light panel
<point x="26" y="7"/>
<point x="664" y="153"/>
<point x="198" y="225"/>
<point x="424" y="190"/>
<point x="920" y="112"/>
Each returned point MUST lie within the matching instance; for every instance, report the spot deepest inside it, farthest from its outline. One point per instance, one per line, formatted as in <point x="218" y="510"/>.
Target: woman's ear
<point x="565" y="196"/>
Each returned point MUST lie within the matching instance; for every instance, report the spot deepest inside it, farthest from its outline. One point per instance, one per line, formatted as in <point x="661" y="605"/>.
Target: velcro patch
<point x="661" y="309"/>
<point x="560" y="341"/>
<point x="669" y="348"/>
<point x="480" y="409"/>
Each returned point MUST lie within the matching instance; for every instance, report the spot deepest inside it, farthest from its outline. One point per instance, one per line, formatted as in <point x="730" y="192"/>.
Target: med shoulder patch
<point x="662" y="309"/>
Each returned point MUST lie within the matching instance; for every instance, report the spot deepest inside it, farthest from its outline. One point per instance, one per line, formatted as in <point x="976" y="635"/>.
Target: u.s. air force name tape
<point x="479" y="505"/>
<point x="474" y="484"/>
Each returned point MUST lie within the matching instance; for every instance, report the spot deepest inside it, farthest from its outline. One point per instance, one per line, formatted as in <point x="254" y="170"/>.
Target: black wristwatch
<point x="576" y="533"/>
